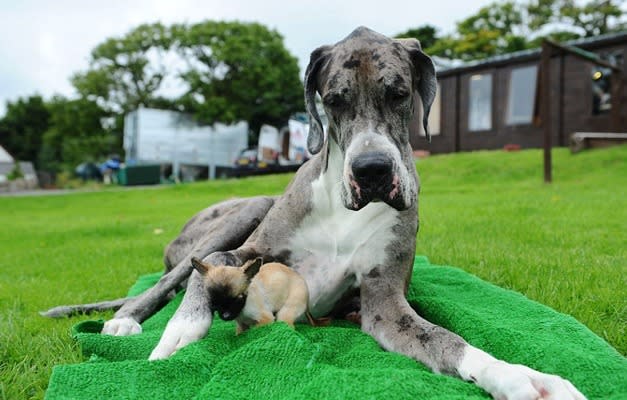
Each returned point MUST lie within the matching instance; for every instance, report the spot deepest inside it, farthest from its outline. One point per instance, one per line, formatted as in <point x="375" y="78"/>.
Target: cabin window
<point x="480" y="103"/>
<point x="602" y="84"/>
<point x="522" y="91"/>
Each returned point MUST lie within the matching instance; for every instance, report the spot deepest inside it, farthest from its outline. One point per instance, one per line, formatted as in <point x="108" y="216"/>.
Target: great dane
<point x="347" y="222"/>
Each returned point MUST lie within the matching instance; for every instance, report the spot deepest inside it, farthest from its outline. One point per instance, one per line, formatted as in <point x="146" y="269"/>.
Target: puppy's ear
<point x="201" y="266"/>
<point x="425" y="82"/>
<point x="252" y="267"/>
<point x="315" y="138"/>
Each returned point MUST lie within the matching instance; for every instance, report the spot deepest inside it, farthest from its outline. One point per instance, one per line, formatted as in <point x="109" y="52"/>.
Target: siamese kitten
<point x="255" y="294"/>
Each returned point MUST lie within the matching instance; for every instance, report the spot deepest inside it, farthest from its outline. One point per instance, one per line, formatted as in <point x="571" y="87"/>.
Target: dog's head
<point x="227" y="286"/>
<point x="367" y="83"/>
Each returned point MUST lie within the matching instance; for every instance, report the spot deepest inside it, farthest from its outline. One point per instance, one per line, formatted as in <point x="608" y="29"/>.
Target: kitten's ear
<point x="252" y="267"/>
<point x="200" y="266"/>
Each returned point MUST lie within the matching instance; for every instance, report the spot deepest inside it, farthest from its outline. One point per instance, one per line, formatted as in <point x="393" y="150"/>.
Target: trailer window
<point x="522" y="91"/>
<point x="480" y="102"/>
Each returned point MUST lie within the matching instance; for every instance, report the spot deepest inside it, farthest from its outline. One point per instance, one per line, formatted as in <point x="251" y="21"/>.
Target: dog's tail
<point x="66" y="311"/>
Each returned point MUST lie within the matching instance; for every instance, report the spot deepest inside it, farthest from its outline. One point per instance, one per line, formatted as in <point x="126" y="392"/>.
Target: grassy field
<point x="487" y="212"/>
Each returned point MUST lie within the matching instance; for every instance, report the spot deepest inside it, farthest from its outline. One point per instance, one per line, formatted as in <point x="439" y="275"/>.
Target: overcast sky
<point x="43" y="42"/>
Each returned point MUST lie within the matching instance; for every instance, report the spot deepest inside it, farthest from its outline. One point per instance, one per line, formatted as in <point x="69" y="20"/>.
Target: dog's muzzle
<point x="227" y="315"/>
<point x="373" y="179"/>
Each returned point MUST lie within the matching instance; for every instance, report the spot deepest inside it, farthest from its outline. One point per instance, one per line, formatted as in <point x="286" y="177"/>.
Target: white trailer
<point x="287" y="146"/>
<point x="154" y="136"/>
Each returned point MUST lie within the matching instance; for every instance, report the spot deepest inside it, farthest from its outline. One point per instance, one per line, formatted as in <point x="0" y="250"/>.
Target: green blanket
<point x="339" y="361"/>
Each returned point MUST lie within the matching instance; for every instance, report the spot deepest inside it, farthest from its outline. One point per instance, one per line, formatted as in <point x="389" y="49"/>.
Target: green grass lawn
<point x="487" y="212"/>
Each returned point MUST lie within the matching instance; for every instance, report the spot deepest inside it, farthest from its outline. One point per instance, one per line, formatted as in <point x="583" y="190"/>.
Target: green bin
<point x="140" y="175"/>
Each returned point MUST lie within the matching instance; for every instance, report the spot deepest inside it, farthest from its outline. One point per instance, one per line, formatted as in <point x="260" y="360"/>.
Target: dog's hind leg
<point x="219" y="228"/>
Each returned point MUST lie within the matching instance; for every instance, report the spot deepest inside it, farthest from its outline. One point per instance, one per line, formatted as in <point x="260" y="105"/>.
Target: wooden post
<point x="458" y="124"/>
<point x="545" y="67"/>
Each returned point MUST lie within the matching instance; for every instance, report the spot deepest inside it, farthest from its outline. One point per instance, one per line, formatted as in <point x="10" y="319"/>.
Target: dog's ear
<point x="200" y="266"/>
<point x="252" y="267"/>
<point x="426" y="84"/>
<point x="315" y="138"/>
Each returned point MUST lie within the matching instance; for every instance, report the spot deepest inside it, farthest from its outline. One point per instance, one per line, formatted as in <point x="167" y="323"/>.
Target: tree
<point x="76" y="134"/>
<point x="504" y="27"/>
<point x="22" y="127"/>
<point x="238" y="71"/>
<point x="57" y="134"/>
<point x="495" y="29"/>
<point x="126" y="72"/>
<point x="426" y="34"/>
<point x="593" y="17"/>
<point x="233" y="71"/>
<point x="545" y="15"/>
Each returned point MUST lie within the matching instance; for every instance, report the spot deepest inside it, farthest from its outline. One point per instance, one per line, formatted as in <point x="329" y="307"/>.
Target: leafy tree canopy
<point x="22" y="127"/>
<point x="226" y="72"/>
<point x="229" y="71"/>
<point x="238" y="71"/>
<point x="126" y="72"/>
<point x="76" y="133"/>
<point x="507" y="26"/>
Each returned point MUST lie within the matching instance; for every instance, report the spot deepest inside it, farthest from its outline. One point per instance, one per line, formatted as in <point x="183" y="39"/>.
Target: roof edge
<point x="531" y="54"/>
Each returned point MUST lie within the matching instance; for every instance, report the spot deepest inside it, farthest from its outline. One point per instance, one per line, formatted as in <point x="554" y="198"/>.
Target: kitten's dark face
<point x="227" y="305"/>
<point x="227" y="286"/>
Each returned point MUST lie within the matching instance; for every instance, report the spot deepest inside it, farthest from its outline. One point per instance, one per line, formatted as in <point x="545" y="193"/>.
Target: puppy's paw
<point x="121" y="327"/>
<point x="517" y="382"/>
<point x="178" y="334"/>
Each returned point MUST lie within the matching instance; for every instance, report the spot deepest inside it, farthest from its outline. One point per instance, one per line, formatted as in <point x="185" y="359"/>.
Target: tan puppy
<point x="255" y="294"/>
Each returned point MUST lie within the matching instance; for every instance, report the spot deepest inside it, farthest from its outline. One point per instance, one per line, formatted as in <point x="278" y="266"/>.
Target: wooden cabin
<point x="489" y="104"/>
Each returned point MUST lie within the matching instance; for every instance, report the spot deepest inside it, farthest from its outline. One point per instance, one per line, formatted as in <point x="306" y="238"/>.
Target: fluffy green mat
<point x="339" y="361"/>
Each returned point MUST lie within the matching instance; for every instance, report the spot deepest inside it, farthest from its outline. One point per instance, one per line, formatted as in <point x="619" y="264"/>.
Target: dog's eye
<point x="397" y="94"/>
<point x="334" y="100"/>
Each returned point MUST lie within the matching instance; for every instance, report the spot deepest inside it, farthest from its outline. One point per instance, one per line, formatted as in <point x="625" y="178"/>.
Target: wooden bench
<point x="586" y="140"/>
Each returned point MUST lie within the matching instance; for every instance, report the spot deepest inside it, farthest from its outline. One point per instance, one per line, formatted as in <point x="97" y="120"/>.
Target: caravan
<point x="154" y="136"/>
<point x="287" y="146"/>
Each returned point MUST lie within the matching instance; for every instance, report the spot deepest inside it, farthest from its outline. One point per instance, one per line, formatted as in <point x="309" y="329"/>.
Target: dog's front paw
<point x="178" y="334"/>
<point x="121" y="327"/>
<point x="516" y="382"/>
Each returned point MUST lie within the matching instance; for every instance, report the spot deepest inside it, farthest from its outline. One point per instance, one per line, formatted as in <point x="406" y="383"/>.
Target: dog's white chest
<point x="333" y="247"/>
<point x="340" y="236"/>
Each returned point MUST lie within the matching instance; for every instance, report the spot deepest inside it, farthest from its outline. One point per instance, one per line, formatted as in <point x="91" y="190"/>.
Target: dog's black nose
<point x="371" y="168"/>
<point x="227" y="315"/>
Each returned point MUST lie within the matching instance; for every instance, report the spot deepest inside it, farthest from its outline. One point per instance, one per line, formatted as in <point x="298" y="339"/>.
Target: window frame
<point x="511" y="96"/>
<point x="490" y="119"/>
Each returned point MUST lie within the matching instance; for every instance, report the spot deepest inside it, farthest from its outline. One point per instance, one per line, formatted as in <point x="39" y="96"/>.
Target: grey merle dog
<point x="347" y="222"/>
